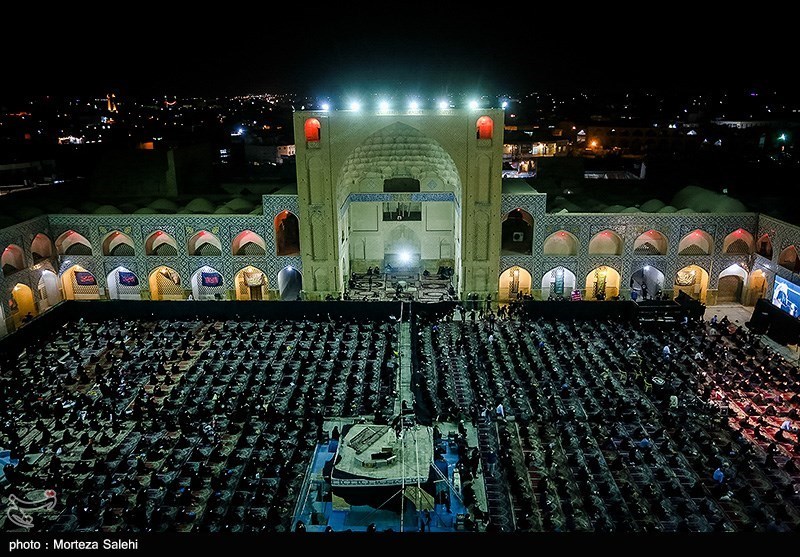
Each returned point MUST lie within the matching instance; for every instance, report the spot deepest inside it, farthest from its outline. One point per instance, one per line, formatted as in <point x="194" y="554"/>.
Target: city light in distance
<point x="383" y="106"/>
<point x="326" y="107"/>
<point x="355" y="106"/>
<point x="444" y="105"/>
<point x="413" y="105"/>
<point x="505" y="104"/>
<point x="473" y="105"/>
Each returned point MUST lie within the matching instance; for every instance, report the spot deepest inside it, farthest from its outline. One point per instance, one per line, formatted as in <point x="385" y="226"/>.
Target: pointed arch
<point x="788" y="259"/>
<point x="72" y="243"/>
<point x="78" y="283"/>
<point x="205" y="243"/>
<point x="12" y="260"/>
<point x="560" y="242"/>
<point x="764" y="246"/>
<point x="647" y="282"/>
<point x="693" y="281"/>
<point x="251" y="284"/>
<point x="517" y="233"/>
<point x="290" y="283"/>
<point x="207" y="284"/>
<point x="22" y="304"/>
<point x="165" y="284"/>
<point x="730" y="284"/>
<point x="484" y="128"/>
<point x="49" y="288"/>
<point x="738" y="242"/>
<point x="248" y="242"/>
<point x="515" y="282"/>
<point x="651" y="242"/>
<point x="41" y="247"/>
<point x="602" y="283"/>
<point x="312" y="129"/>
<point x="558" y="282"/>
<point x="160" y="243"/>
<point x="118" y="243"/>
<point x="123" y="284"/>
<point x="287" y="233"/>
<point x="696" y="242"/>
<point x="605" y="242"/>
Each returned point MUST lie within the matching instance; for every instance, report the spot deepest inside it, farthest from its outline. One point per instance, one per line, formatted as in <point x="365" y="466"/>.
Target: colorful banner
<point x="211" y="279"/>
<point x="85" y="278"/>
<point x="128" y="279"/>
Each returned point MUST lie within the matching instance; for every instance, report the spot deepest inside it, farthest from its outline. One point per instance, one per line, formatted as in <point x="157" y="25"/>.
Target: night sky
<point x="415" y="50"/>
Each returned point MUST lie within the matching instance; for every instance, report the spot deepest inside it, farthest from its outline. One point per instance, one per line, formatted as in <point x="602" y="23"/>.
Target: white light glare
<point x="326" y="107"/>
<point x="355" y="106"/>
<point x="505" y="104"/>
<point x="413" y="105"/>
<point x="383" y="106"/>
<point x="444" y="105"/>
<point x="405" y="257"/>
<point x="473" y="104"/>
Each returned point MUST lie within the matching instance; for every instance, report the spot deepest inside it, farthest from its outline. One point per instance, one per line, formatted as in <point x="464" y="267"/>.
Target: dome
<point x="399" y="150"/>
<point x="667" y="209"/>
<point x="128" y="208"/>
<point x="239" y="205"/>
<point x="27" y="212"/>
<point x="685" y="211"/>
<point x="630" y="210"/>
<point x="198" y="205"/>
<point x="107" y="210"/>
<point x="145" y="211"/>
<point x="701" y="200"/>
<point x="652" y="206"/>
<point x="88" y="207"/>
<point x="224" y="210"/>
<point x="68" y="211"/>
<point x="614" y="209"/>
<point x="164" y="206"/>
<point x="257" y="211"/>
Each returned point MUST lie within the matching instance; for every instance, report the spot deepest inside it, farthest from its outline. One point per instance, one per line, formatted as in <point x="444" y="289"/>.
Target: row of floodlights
<point x="413" y="106"/>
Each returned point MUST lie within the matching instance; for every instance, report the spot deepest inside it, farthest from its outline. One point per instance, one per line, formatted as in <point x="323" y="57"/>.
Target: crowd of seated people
<point x="183" y="425"/>
<point x="618" y="428"/>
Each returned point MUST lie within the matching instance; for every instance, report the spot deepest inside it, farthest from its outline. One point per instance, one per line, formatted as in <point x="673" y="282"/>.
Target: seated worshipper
<point x="785" y="426"/>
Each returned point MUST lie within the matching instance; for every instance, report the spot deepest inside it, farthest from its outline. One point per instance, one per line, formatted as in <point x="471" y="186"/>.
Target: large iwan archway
<point x="788" y="259"/>
<point x="165" y="284"/>
<point x="693" y="281"/>
<point x="13" y="259"/>
<point x="602" y="283"/>
<point x="515" y="283"/>
<point x="205" y="243"/>
<point x="287" y="233"/>
<point x="764" y="246"/>
<point x="558" y="282"/>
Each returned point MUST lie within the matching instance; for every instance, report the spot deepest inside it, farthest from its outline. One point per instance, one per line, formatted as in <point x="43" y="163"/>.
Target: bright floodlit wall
<point x="342" y="173"/>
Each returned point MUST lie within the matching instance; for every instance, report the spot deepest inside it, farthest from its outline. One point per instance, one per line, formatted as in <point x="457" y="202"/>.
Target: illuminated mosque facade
<point x="410" y="191"/>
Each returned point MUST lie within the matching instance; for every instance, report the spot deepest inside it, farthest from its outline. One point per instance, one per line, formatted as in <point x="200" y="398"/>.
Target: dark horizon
<point x="412" y="54"/>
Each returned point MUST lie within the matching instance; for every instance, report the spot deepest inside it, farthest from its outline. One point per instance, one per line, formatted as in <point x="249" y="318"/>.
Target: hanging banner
<point x="128" y="279"/>
<point x="85" y="278"/>
<point x="211" y="279"/>
<point x="254" y="279"/>
<point x="558" y="288"/>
